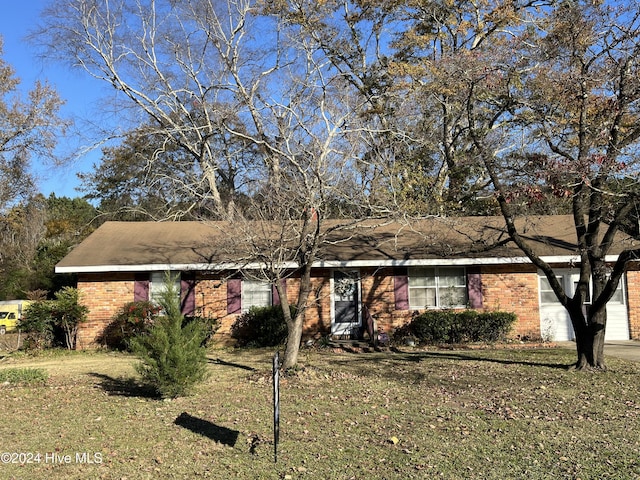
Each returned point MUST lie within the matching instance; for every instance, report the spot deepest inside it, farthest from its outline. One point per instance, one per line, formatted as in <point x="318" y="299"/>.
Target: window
<point x="618" y="296"/>
<point x="547" y="296"/>
<point x="255" y="294"/>
<point x="437" y="287"/>
<point x="157" y="285"/>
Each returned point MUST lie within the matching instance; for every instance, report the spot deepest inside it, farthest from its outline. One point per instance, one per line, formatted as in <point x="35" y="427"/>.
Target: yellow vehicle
<point x="10" y="313"/>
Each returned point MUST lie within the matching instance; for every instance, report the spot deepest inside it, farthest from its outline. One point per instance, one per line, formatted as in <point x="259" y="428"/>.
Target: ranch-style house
<point x="389" y="269"/>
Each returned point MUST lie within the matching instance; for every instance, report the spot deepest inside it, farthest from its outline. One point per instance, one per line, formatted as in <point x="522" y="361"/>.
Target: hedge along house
<point x="391" y="270"/>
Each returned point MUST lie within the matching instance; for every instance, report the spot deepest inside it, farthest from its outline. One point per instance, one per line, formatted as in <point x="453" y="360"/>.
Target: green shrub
<point x="173" y="355"/>
<point x="209" y="326"/>
<point x="458" y="326"/>
<point x="495" y="326"/>
<point x="134" y="318"/>
<point x="23" y="375"/>
<point x="55" y="322"/>
<point x="38" y="324"/>
<point x="261" y="327"/>
<point x="69" y="313"/>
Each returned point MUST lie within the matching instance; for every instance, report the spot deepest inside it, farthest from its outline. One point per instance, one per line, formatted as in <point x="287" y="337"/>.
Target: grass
<point x="22" y="375"/>
<point x="479" y="414"/>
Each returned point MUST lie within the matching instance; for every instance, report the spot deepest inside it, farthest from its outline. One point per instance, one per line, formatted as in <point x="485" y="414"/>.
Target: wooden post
<point x="276" y="405"/>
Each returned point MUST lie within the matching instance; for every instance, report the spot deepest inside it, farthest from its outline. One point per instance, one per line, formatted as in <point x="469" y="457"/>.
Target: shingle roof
<point x="139" y="246"/>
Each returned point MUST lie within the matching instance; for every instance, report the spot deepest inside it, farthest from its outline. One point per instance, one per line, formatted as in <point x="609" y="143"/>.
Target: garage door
<point x="555" y="324"/>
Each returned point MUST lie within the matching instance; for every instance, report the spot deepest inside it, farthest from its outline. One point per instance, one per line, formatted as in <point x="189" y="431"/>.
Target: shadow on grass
<point x="219" y="361"/>
<point x="124" y="387"/>
<point x="418" y="356"/>
<point x="207" y="429"/>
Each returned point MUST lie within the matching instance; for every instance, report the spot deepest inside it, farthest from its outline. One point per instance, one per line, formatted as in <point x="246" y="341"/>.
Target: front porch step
<point x="342" y="342"/>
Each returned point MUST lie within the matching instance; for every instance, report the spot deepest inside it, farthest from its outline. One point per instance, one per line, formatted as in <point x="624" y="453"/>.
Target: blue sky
<point x="79" y="91"/>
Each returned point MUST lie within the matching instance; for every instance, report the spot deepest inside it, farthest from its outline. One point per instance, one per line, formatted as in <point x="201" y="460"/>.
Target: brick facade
<point x="103" y="294"/>
<point x="512" y="288"/>
<point x="633" y="302"/>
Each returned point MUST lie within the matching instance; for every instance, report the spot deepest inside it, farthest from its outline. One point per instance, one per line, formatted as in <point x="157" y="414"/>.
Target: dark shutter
<point x="474" y="287"/>
<point x="141" y="287"/>
<point x="188" y="293"/>
<point x="234" y="295"/>
<point x="401" y="289"/>
<point x="274" y="293"/>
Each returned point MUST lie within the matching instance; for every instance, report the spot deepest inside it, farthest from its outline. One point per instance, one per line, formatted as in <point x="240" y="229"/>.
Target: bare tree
<point x="29" y="127"/>
<point x="199" y="71"/>
<point x="179" y="66"/>
<point x="29" y="130"/>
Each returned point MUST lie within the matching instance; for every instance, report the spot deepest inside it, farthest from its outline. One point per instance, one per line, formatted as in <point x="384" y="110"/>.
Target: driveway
<point x="625" y="349"/>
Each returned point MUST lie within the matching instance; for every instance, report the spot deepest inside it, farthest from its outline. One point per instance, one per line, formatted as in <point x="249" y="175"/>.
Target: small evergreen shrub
<point x="261" y="327"/>
<point x="458" y="326"/>
<point x="173" y="357"/>
<point x="209" y="326"/>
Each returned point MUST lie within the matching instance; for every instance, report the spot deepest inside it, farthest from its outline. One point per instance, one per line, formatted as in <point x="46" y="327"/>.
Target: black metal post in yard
<point x="276" y="405"/>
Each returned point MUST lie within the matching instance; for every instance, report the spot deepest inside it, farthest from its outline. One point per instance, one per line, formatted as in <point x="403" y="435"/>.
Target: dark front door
<point x="346" y="297"/>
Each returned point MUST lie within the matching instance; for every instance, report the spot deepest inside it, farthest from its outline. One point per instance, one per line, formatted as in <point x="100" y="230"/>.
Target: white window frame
<point x="157" y="284"/>
<point x="251" y="287"/>
<point x="418" y="272"/>
<point x="564" y="278"/>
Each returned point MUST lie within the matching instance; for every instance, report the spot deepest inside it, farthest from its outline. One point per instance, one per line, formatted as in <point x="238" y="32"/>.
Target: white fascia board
<point x="324" y="264"/>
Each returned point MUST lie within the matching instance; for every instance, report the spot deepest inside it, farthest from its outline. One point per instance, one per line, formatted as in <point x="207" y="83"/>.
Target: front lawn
<point x="412" y="414"/>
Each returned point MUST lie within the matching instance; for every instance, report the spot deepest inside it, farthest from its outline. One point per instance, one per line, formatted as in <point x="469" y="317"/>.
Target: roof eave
<point x="563" y="259"/>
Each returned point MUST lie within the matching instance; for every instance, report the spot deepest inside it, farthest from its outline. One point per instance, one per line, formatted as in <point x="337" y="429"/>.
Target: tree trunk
<point x="590" y="339"/>
<point x="597" y="323"/>
<point x="294" y="336"/>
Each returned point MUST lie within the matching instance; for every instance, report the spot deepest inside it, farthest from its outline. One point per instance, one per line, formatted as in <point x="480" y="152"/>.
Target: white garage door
<point x="555" y="324"/>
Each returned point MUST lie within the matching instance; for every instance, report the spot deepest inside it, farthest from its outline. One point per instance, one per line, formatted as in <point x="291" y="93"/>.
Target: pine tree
<point x="173" y="356"/>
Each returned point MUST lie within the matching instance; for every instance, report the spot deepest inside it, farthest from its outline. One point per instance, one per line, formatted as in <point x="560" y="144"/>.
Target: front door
<point x="346" y="320"/>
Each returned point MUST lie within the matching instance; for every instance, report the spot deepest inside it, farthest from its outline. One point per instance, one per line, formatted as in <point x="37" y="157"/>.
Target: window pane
<point x="453" y="296"/>
<point x="452" y="277"/>
<point x="157" y="285"/>
<point x="544" y="283"/>
<point x="437" y="287"/>
<point x="617" y="297"/>
<point x="546" y="293"/>
<point x="417" y="297"/>
<point x="422" y="277"/>
<point x="255" y="294"/>
<point x="431" y="298"/>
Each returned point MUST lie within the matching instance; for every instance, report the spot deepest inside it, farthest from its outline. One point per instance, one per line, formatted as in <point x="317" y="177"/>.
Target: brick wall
<point x="103" y="294"/>
<point x="633" y="301"/>
<point x="317" y="320"/>
<point x="211" y="302"/>
<point x="502" y="289"/>
<point x="379" y="297"/>
<point x="513" y="288"/>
